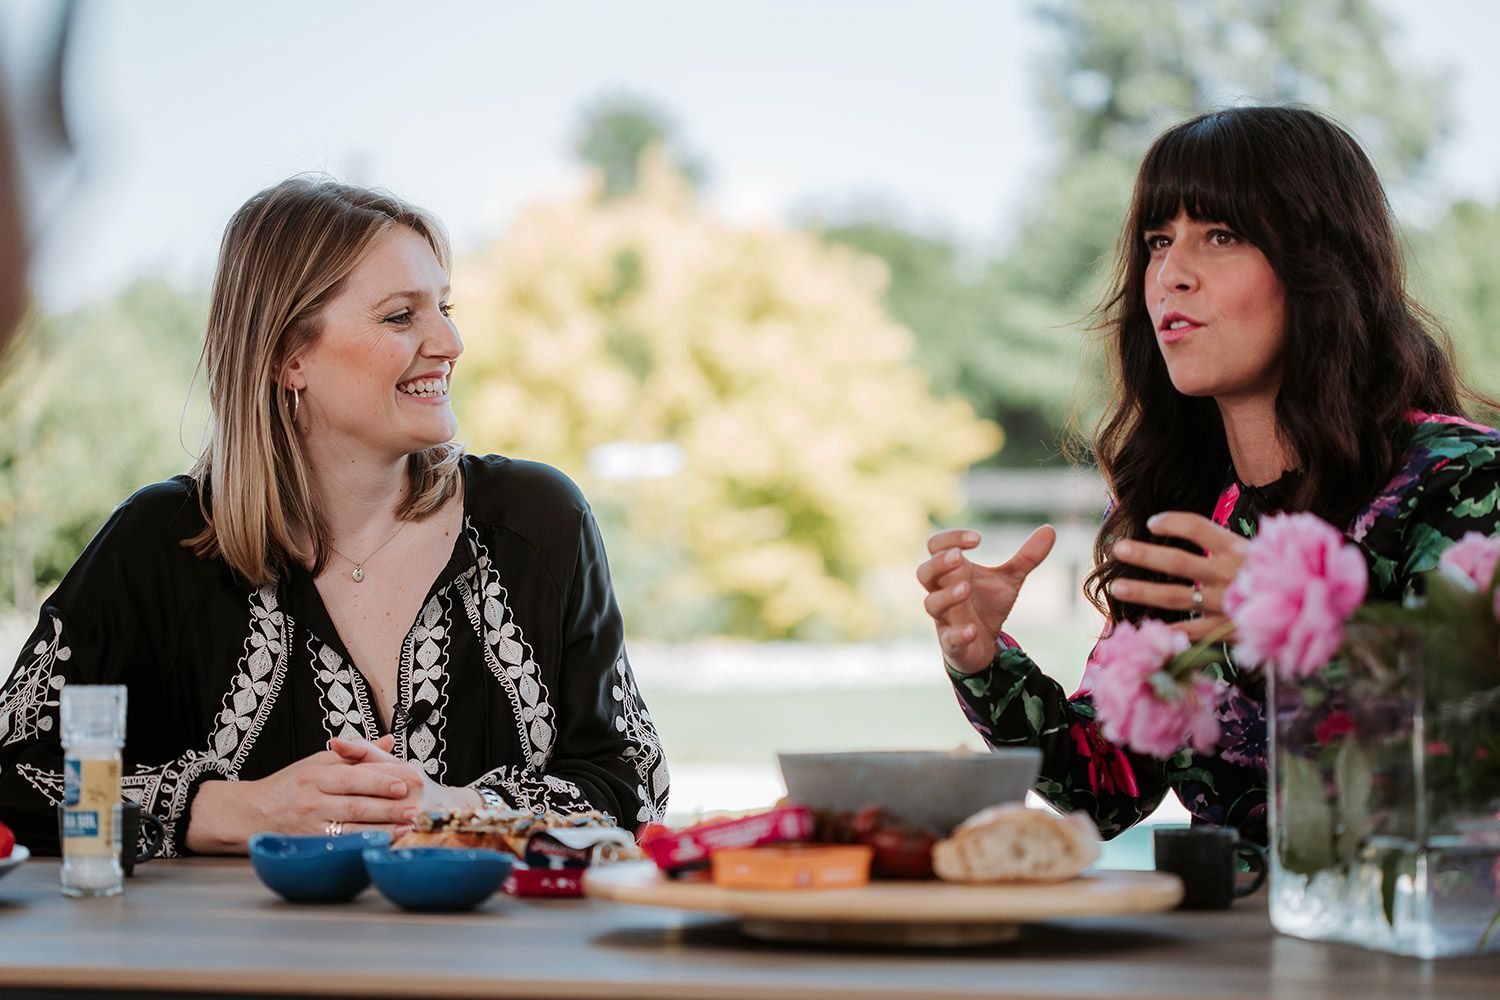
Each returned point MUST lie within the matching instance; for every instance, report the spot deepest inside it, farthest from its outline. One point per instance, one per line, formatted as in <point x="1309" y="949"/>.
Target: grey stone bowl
<point x="925" y="787"/>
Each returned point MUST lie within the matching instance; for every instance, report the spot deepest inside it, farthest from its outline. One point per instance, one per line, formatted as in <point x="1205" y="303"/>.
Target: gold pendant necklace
<point x="358" y="575"/>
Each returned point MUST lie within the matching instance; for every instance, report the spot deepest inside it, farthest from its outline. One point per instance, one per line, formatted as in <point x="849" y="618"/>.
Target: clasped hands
<point x="970" y="603"/>
<point x="354" y="785"/>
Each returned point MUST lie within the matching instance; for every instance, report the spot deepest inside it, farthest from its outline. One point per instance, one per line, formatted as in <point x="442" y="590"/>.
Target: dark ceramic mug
<point x="1204" y="857"/>
<point x="132" y="851"/>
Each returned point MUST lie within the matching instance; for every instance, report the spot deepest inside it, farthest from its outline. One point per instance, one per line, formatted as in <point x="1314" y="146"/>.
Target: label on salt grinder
<point x="91" y="796"/>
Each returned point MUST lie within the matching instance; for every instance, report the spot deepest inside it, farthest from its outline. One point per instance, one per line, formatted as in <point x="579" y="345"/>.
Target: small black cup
<point x="132" y="851"/>
<point x="1204" y="858"/>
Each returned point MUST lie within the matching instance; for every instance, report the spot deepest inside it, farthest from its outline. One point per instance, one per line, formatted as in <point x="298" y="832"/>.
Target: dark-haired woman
<point x="1266" y="357"/>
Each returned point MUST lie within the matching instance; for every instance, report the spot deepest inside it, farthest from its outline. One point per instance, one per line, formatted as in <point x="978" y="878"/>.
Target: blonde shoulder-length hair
<point x="286" y="254"/>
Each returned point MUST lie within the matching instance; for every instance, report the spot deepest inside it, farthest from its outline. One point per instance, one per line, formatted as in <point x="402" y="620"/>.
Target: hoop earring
<point x="296" y="405"/>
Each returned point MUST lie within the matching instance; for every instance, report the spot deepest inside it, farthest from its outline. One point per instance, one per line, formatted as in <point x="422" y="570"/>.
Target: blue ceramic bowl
<point x="437" y="878"/>
<point x="314" y="869"/>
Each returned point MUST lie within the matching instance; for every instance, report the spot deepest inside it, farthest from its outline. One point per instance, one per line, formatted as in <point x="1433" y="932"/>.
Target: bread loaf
<point x="1011" y="843"/>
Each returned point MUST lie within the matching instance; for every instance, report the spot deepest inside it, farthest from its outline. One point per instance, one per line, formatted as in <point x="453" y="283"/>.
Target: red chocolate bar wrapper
<point x="554" y="882"/>
<point x="691" y="847"/>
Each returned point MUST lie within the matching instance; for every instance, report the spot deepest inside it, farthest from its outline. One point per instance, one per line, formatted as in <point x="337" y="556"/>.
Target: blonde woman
<point x="338" y="620"/>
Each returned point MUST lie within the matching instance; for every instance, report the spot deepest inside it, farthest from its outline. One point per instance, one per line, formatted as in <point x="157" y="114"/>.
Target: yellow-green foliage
<point x="813" y="454"/>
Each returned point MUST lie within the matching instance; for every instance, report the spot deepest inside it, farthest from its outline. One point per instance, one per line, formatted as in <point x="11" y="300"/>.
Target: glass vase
<point x="1385" y="790"/>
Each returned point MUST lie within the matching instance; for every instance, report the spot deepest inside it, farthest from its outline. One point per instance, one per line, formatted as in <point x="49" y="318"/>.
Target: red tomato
<point x="7" y="841"/>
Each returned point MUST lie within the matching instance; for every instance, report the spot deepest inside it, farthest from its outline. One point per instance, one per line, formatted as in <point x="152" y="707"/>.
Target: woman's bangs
<point x="1194" y="168"/>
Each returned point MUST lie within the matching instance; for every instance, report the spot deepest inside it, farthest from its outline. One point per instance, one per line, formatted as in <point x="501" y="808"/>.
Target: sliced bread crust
<point x="1011" y="843"/>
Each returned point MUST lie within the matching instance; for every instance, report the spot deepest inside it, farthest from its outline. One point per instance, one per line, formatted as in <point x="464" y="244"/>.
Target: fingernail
<point x="951" y="557"/>
<point x="961" y="589"/>
<point x="410" y="813"/>
<point x="397" y="788"/>
<point x="1153" y="521"/>
<point x="1118" y="588"/>
<point x="1123" y="548"/>
<point x="971" y="537"/>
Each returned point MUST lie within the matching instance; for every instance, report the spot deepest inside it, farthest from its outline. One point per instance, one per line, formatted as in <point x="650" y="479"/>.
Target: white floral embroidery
<point x="507" y="654"/>
<point x="164" y="791"/>
<point x="645" y="750"/>
<point x="29" y="706"/>
<point x="48" y="783"/>
<point x="257" y="681"/>
<point x="423" y="677"/>
<point x="346" y="711"/>
<point x="526" y="789"/>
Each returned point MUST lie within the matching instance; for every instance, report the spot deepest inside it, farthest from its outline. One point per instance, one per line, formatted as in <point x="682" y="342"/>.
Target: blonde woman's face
<point x="1218" y="309"/>
<point x="376" y="379"/>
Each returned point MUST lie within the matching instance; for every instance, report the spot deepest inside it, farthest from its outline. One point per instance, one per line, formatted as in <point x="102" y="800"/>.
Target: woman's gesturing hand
<point x="1207" y="575"/>
<point x="420" y="791"/>
<point x="969" y="603"/>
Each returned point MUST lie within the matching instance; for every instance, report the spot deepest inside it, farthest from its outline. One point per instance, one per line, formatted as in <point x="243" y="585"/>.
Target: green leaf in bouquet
<point x="1451" y="597"/>
<point x="1489" y="932"/>
<point x="1395" y="615"/>
<point x="1312" y="695"/>
<point x="1207" y="654"/>
<point x="1390" y="874"/>
<point x="1459" y="662"/>
<point x="1351" y="776"/>
<point x="1164" y="686"/>
<point x="1306" y="817"/>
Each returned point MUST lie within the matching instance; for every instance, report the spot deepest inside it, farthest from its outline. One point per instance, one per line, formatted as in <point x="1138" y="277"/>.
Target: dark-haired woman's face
<point x="1218" y="309"/>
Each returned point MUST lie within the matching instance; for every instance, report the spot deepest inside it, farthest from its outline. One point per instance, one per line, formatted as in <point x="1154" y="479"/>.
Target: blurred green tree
<point x="1011" y="333"/>
<point x="737" y="403"/>
<point x="1456" y="273"/>
<point x="616" y="129"/>
<point x="91" y="408"/>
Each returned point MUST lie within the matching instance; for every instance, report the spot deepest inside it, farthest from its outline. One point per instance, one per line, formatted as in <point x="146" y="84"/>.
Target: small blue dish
<point x="314" y="869"/>
<point x="437" y="878"/>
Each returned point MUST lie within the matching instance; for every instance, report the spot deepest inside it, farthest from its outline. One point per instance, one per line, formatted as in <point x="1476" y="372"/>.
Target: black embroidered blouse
<point x="513" y="678"/>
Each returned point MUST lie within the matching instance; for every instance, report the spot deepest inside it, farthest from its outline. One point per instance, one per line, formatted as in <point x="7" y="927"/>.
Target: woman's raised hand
<point x="969" y="603"/>
<point x="1207" y="576"/>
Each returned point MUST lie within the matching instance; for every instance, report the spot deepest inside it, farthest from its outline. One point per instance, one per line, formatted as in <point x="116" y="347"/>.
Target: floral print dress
<point x="1448" y="484"/>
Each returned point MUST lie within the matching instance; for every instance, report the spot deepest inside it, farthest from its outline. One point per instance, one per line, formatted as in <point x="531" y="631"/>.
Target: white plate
<point x="18" y="855"/>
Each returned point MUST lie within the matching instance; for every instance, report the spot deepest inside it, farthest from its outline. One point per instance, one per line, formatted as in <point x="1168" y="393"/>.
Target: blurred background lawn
<point x="783" y="286"/>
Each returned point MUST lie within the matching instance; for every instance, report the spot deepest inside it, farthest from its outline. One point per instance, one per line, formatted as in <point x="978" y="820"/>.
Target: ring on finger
<point x="333" y="827"/>
<point x="1197" y="598"/>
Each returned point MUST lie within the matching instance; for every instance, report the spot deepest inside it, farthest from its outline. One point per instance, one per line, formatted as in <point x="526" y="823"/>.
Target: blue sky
<point x="184" y="108"/>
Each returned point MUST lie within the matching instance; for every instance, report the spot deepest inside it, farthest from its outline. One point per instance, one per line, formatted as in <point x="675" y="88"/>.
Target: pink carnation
<point x="1138" y="702"/>
<point x="1299" y="584"/>
<point x="1475" y="556"/>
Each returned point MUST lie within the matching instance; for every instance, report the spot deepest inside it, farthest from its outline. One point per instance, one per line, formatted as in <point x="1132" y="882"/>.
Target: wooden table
<point x="207" y="926"/>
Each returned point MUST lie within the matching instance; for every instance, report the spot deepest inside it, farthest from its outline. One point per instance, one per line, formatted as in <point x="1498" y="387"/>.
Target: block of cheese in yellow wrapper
<point x="816" y="866"/>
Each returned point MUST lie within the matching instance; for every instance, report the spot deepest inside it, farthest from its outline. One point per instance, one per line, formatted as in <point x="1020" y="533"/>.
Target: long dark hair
<point x="1360" y="354"/>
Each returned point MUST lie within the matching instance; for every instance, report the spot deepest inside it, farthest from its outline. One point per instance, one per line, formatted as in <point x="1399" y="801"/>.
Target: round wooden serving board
<point x="910" y="913"/>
